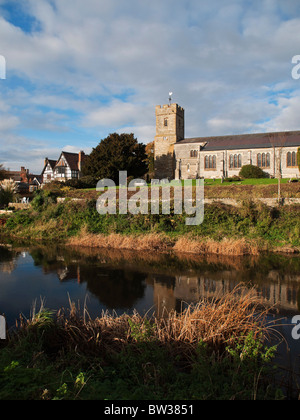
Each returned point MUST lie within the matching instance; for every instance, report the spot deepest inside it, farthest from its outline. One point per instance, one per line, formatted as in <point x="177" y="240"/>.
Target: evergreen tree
<point x="117" y="152"/>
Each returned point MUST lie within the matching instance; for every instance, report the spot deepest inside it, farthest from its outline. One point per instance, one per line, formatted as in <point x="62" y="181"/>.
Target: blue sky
<point x="78" y="70"/>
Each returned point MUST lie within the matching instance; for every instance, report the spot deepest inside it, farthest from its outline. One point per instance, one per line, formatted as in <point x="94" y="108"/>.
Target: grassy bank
<point x="226" y="230"/>
<point x="249" y="189"/>
<point x="214" y="350"/>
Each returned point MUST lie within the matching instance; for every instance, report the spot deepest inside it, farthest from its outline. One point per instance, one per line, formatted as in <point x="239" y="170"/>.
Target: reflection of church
<point x="282" y="292"/>
<point x="120" y="289"/>
<point x="122" y="280"/>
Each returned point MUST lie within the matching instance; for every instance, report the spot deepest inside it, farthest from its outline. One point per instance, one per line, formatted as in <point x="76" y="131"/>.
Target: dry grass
<point x="160" y="242"/>
<point x="234" y="247"/>
<point x="145" y="242"/>
<point x="218" y="322"/>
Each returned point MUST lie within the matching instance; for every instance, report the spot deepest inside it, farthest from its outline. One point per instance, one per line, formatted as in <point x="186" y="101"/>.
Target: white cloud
<point x="102" y="66"/>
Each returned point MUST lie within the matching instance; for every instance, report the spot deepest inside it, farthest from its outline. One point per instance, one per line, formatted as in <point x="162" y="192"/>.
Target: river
<point x="123" y="281"/>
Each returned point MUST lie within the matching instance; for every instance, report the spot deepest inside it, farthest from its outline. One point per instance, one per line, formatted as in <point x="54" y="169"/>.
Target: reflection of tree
<point x="116" y="289"/>
<point x="7" y="260"/>
<point x="45" y="258"/>
<point x="118" y="278"/>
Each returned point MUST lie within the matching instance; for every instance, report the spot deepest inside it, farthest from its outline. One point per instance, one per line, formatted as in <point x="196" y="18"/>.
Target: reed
<point x="159" y="241"/>
<point x="218" y="322"/>
<point x="146" y="242"/>
<point x="214" y="349"/>
<point x="234" y="247"/>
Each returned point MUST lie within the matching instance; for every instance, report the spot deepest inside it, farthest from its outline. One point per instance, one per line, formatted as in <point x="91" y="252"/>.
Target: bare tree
<point x="278" y="141"/>
<point x="2" y="172"/>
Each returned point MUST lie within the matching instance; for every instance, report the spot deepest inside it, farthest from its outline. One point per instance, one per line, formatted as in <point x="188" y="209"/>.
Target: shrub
<point x="43" y="198"/>
<point x="7" y="188"/>
<point x="232" y="179"/>
<point x="82" y="183"/>
<point x="252" y="171"/>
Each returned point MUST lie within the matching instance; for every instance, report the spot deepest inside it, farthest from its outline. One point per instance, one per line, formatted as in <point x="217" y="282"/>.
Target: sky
<point x="78" y="70"/>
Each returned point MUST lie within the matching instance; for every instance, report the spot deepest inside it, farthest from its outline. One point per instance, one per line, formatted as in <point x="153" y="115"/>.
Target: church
<point x="177" y="157"/>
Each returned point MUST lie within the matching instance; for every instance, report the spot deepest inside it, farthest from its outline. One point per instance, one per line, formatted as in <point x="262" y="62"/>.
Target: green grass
<point x="50" y="221"/>
<point x="262" y="181"/>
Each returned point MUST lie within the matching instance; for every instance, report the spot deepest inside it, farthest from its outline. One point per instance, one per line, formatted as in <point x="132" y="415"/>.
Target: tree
<point x="278" y="142"/>
<point x="150" y="159"/>
<point x="117" y="152"/>
<point x="2" y="172"/>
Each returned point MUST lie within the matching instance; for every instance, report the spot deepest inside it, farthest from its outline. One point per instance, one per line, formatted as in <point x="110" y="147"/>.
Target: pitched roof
<point x="52" y="163"/>
<point x="72" y="160"/>
<point x="247" y="141"/>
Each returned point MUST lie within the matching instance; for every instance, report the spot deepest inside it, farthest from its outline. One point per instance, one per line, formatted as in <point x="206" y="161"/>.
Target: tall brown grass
<point x="235" y="247"/>
<point x="218" y="322"/>
<point x="160" y="242"/>
<point x="147" y="242"/>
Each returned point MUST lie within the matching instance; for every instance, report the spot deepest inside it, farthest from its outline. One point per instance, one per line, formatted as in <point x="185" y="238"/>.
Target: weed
<point x="211" y="350"/>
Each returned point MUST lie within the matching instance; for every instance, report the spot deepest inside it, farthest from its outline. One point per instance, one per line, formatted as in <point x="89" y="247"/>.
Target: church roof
<point x="247" y="141"/>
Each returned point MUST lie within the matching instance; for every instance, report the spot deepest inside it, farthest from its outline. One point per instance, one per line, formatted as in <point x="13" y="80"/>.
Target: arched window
<point x="210" y="162"/>
<point x="206" y="162"/>
<point x="263" y="160"/>
<point x="194" y="153"/>
<point x="214" y="164"/>
<point x="235" y="161"/>
<point x="166" y="122"/>
<point x="291" y="159"/>
<point x="259" y="160"/>
<point x="240" y="161"/>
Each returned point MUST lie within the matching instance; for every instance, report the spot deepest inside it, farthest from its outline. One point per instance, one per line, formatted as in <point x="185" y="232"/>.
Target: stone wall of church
<point x="192" y="161"/>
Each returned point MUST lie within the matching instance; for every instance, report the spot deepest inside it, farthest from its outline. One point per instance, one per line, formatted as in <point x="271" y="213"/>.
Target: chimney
<point x="24" y="174"/>
<point x="80" y="160"/>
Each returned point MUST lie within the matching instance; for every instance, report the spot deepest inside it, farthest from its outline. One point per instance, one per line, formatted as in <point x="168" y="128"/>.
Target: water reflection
<point x="123" y="281"/>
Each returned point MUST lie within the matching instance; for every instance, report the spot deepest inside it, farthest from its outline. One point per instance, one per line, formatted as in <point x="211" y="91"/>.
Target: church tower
<point x="169" y="130"/>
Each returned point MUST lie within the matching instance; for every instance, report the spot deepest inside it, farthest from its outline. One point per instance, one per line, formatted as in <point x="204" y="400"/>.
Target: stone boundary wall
<point x="271" y="202"/>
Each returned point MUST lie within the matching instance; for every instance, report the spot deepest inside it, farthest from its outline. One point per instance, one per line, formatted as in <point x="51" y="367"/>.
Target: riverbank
<point x="217" y="349"/>
<point x="249" y="229"/>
